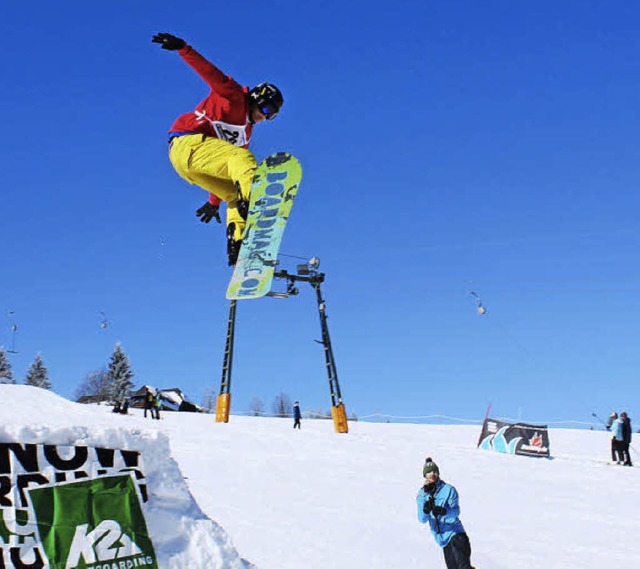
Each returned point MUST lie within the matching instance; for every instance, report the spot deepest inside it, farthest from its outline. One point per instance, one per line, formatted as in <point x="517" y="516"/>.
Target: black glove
<point x="428" y="505"/>
<point x="439" y="511"/>
<point x="207" y="212"/>
<point x="172" y="43"/>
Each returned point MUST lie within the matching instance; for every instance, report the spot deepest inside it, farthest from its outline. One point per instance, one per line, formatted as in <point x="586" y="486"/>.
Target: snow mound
<point x="182" y="535"/>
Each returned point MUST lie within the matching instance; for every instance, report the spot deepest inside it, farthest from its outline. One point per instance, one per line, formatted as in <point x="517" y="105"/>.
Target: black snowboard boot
<point x="242" y="204"/>
<point x="233" y="246"/>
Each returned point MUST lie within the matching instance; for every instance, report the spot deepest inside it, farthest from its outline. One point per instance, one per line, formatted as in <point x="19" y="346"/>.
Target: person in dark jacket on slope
<point x="208" y="146"/>
<point x="148" y="402"/>
<point x="296" y="415"/>
<point x="626" y="439"/>
<point x="438" y="504"/>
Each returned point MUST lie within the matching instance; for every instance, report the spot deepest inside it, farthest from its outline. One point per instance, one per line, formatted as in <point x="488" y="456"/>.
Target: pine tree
<point x="119" y="375"/>
<point x="6" y="375"/>
<point x="38" y="374"/>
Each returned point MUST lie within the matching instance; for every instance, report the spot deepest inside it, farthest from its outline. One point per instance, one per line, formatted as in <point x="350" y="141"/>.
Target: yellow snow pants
<point x="216" y="165"/>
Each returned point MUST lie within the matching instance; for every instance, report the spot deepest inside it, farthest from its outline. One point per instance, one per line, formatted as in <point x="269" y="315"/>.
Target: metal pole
<point x="223" y="403"/>
<point x="332" y="372"/>
<point x="337" y="406"/>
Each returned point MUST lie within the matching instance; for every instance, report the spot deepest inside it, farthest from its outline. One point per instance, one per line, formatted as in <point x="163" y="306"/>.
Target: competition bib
<point x="233" y="133"/>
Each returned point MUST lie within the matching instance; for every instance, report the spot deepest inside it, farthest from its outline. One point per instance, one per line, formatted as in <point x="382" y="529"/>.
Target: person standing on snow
<point x="208" y="147"/>
<point x="157" y="403"/>
<point x="626" y="439"/>
<point x="296" y="415"/>
<point x="614" y="453"/>
<point x="148" y="402"/>
<point x="438" y="505"/>
<point x="617" y="440"/>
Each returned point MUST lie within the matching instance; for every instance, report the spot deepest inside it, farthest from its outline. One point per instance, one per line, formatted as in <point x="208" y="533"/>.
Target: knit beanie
<point x="430" y="466"/>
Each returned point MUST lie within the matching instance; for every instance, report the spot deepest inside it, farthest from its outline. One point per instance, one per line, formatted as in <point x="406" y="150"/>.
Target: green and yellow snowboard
<point x="275" y="185"/>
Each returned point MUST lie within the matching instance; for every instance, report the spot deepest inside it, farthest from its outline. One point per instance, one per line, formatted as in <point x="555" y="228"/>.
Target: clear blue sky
<point x="447" y="146"/>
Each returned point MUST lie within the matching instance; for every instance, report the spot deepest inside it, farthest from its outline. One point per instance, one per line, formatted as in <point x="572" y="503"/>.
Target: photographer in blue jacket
<point x="438" y="505"/>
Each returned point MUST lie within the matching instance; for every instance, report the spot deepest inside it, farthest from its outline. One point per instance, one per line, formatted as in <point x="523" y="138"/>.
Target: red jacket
<point x="223" y="114"/>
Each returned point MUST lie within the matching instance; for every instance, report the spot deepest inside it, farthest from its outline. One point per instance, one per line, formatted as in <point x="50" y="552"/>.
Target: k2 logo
<point x="104" y="543"/>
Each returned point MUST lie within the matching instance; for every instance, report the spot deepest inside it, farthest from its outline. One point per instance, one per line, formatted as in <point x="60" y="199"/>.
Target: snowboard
<point x="275" y="185"/>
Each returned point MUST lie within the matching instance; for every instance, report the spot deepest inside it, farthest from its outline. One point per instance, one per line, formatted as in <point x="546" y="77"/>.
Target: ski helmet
<point x="267" y="98"/>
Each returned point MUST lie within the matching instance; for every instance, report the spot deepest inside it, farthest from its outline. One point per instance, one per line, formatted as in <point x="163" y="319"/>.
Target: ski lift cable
<point x="293" y="256"/>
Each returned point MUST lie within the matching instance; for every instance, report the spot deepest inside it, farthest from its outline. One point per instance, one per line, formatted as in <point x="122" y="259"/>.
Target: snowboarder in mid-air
<point x="208" y="147"/>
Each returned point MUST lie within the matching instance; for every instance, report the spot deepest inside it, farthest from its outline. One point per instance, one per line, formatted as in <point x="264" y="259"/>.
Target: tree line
<point x="37" y="374"/>
<point x="281" y="406"/>
<point x="113" y="383"/>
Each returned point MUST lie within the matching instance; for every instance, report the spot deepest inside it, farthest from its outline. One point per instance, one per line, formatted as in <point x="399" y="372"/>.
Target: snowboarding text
<point x="269" y="208"/>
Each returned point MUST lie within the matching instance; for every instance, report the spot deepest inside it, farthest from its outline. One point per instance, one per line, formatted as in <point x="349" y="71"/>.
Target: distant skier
<point x="157" y="403"/>
<point x="148" y="402"/>
<point x="208" y="147"/>
<point x="438" y="505"/>
<point x="296" y="415"/>
<point x="626" y="439"/>
<point x="617" y="440"/>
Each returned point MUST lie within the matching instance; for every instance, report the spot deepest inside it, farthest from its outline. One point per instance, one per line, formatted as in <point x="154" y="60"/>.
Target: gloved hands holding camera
<point x="430" y="507"/>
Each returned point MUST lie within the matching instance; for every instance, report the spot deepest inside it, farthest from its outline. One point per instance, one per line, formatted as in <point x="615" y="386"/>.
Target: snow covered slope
<point x="320" y="500"/>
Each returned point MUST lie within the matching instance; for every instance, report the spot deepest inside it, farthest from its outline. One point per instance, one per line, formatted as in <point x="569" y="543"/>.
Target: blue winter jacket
<point x="616" y="429"/>
<point x="443" y="527"/>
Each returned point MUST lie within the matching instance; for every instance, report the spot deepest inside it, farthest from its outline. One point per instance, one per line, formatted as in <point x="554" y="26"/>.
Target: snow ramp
<point x="83" y="488"/>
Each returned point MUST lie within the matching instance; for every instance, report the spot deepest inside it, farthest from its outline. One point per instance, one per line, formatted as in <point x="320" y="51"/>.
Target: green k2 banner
<point x="93" y="524"/>
<point x="72" y="507"/>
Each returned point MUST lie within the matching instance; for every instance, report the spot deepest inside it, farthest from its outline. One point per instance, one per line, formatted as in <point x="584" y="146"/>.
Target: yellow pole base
<point x="339" y="418"/>
<point x="223" y="404"/>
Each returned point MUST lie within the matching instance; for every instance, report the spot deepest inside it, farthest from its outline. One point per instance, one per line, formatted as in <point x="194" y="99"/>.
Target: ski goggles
<point x="269" y="110"/>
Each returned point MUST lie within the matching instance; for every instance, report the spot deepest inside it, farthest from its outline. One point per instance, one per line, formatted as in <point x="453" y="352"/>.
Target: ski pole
<point x="599" y="419"/>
